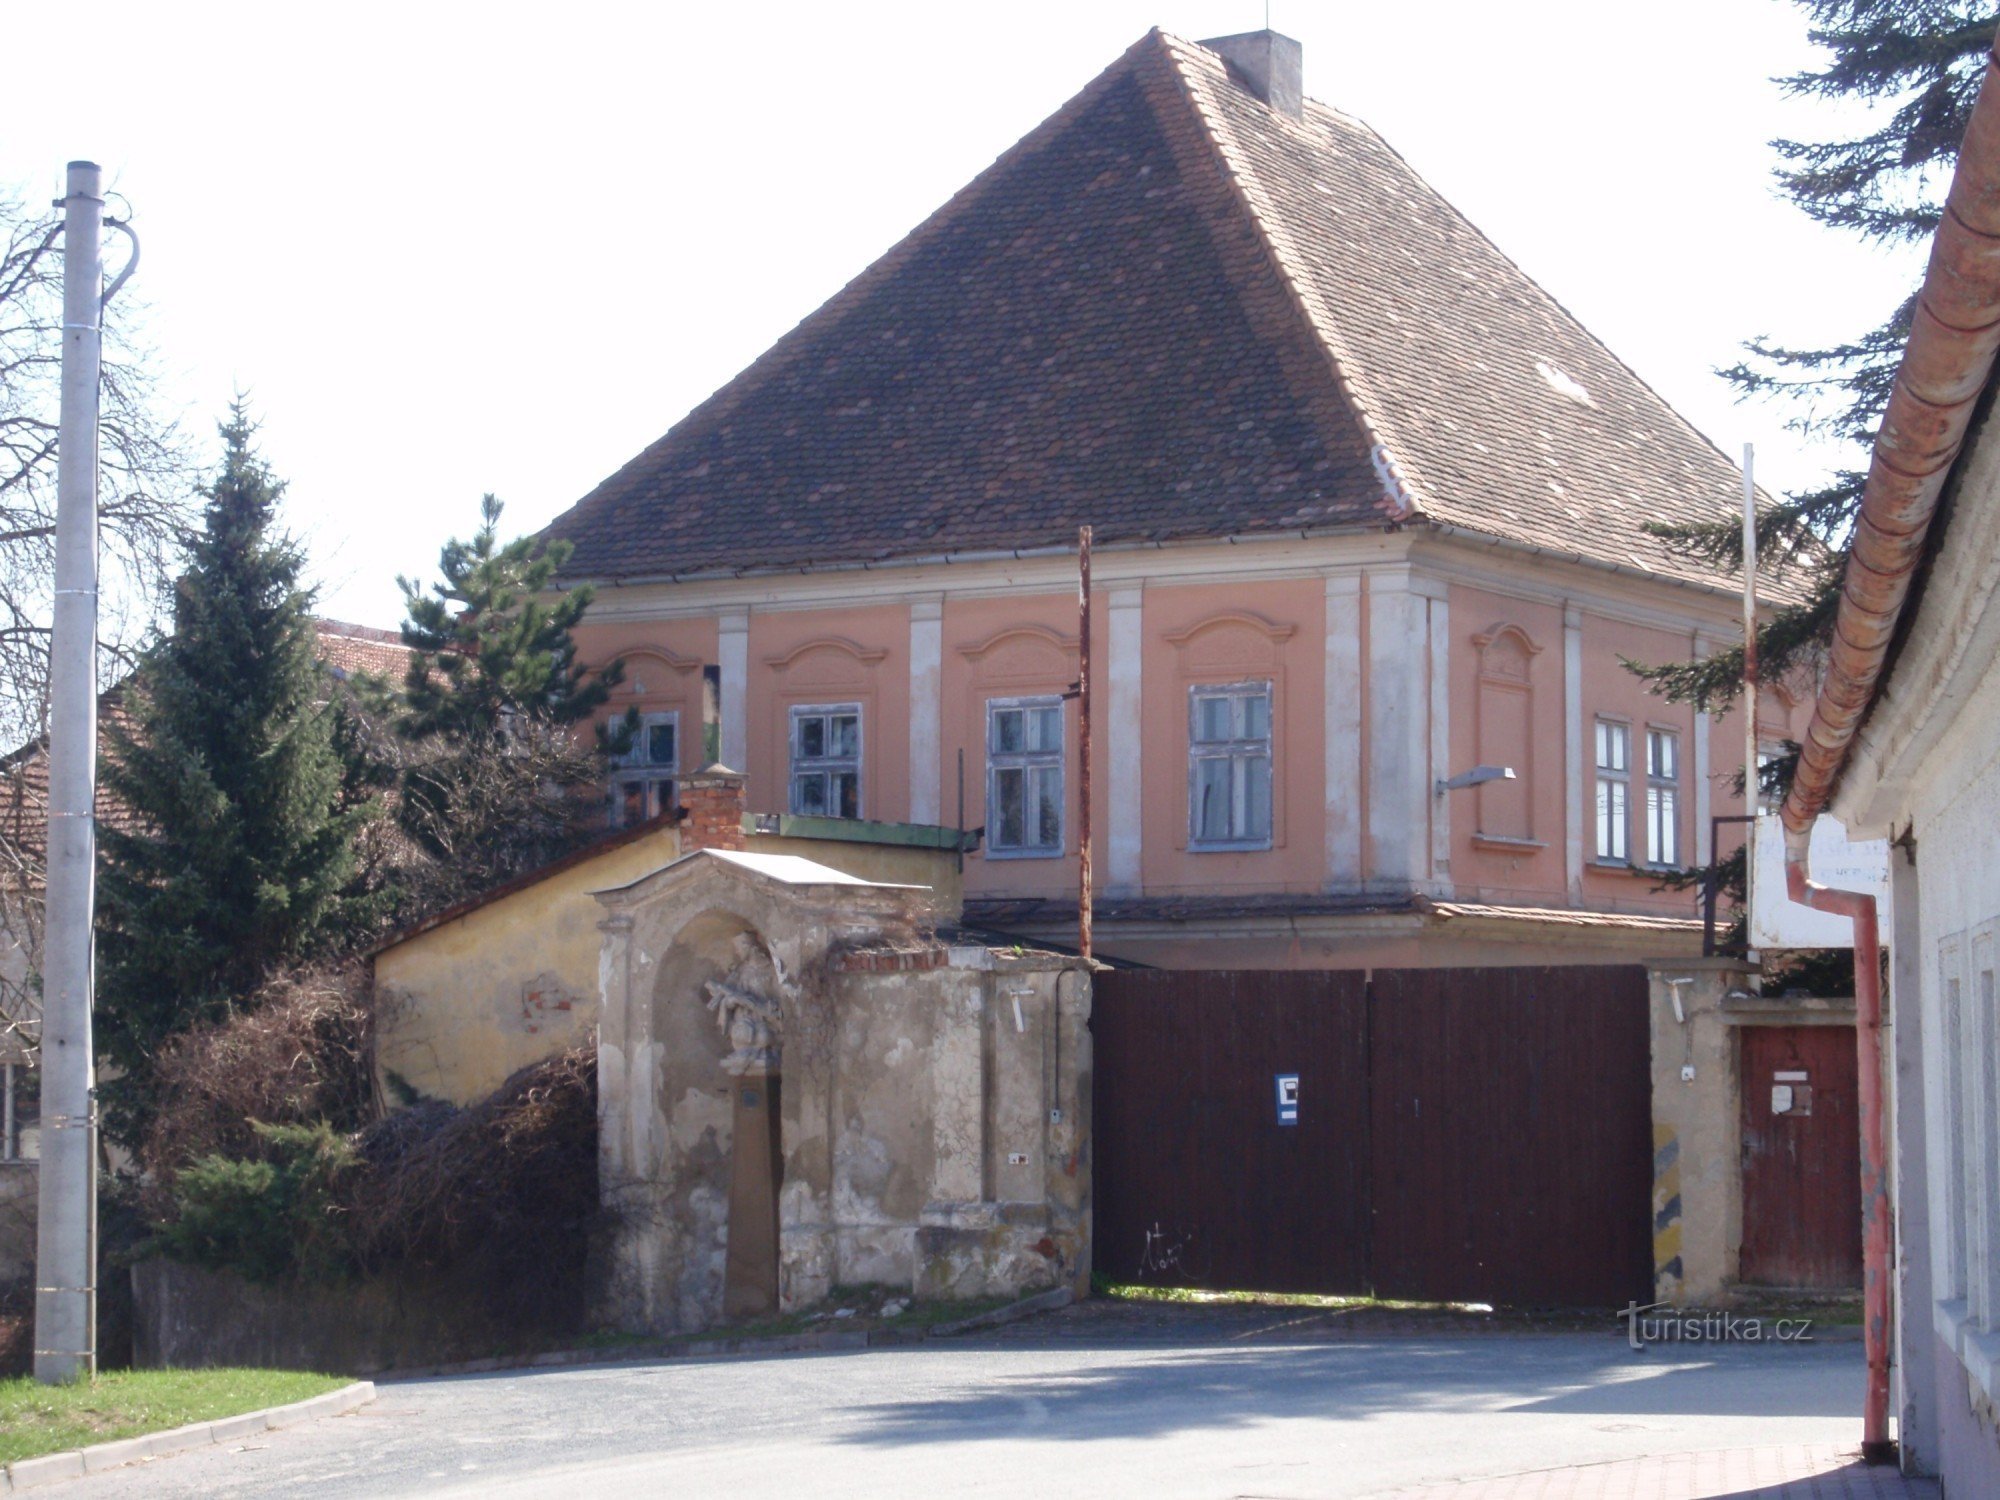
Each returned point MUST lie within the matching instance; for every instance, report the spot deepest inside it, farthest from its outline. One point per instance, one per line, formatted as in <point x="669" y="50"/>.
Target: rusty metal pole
<point x="1083" y="872"/>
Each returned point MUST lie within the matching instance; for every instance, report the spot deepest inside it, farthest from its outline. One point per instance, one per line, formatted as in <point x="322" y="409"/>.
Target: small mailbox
<point x="1791" y="1093"/>
<point x="1288" y="1098"/>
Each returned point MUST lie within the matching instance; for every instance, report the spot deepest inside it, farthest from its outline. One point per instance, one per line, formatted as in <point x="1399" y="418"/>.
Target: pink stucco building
<point x="1370" y="510"/>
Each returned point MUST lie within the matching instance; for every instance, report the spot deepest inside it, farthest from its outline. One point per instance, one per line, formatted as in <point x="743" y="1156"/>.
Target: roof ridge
<point x="723" y="400"/>
<point x="1391" y="463"/>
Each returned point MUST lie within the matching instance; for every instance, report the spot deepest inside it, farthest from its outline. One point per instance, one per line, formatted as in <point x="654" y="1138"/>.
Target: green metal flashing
<point x="864" y="831"/>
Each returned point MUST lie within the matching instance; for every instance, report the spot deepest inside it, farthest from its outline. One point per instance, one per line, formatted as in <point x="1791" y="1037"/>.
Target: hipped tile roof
<point x="1173" y="313"/>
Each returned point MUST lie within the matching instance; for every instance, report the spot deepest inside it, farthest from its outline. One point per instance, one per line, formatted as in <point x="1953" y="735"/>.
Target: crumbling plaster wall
<point x="506" y="984"/>
<point x="933" y="1101"/>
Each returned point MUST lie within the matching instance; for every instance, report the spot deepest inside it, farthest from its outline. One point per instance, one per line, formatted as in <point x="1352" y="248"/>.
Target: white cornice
<point x="1650" y="601"/>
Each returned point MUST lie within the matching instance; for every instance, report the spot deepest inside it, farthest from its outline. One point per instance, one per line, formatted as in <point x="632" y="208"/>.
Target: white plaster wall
<point x="1955" y="815"/>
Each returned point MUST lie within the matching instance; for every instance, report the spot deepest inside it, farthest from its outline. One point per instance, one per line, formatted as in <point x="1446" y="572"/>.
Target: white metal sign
<point x="1776" y="921"/>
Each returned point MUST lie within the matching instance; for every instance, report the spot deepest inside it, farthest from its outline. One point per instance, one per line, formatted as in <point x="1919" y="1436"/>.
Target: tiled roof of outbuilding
<point x="1171" y="312"/>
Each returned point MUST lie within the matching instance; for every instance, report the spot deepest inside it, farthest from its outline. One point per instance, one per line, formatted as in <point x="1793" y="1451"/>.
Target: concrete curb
<point x="32" y="1473"/>
<point x="829" y="1341"/>
<point x="1013" y="1312"/>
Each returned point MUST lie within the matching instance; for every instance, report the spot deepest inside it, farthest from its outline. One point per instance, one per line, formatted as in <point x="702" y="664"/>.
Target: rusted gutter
<point x="1946" y="365"/>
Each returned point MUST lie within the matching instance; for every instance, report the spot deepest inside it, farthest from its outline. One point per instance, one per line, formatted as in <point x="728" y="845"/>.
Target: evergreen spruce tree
<point x="1920" y="64"/>
<point x="242" y="811"/>
<point x="499" y="778"/>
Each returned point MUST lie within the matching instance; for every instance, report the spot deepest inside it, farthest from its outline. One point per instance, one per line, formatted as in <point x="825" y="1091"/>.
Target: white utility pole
<point x="1750" y="678"/>
<point x="66" y="1236"/>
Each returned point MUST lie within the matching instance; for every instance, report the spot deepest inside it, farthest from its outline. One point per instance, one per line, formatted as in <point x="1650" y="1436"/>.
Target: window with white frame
<point x="1663" y="797"/>
<point x="642" y="777"/>
<point x="1229" y="766"/>
<point x="1614" y="777"/>
<point x="826" y="760"/>
<point x="1024" y="777"/>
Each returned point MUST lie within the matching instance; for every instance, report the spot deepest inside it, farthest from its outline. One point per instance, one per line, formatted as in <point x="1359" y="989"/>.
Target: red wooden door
<point x="1801" y="1157"/>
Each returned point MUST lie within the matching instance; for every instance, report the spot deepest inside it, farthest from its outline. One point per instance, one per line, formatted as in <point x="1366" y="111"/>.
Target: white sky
<point x="454" y="248"/>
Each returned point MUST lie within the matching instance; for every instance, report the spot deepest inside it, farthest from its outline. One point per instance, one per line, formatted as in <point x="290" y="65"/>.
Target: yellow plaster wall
<point x="460" y="1007"/>
<point x="889" y="863"/>
<point x="465" y="1004"/>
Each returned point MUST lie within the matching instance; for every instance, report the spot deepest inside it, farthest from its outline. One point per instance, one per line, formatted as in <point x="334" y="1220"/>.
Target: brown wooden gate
<point x="1801" y="1157"/>
<point x="1462" y="1134"/>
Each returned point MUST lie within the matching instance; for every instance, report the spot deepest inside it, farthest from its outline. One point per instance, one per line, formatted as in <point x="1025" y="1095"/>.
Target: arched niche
<point x="1504" y="732"/>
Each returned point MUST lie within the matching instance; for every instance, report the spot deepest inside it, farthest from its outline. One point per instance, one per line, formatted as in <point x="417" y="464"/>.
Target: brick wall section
<point x="892" y="960"/>
<point x="713" y="801"/>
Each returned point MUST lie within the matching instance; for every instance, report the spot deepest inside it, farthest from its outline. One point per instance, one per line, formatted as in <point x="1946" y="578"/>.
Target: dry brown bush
<point x="297" y="1054"/>
<point x="513" y="1176"/>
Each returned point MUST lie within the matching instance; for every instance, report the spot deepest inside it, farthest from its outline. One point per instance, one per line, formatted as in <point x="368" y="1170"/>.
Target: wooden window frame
<point x="1238" y="751"/>
<point x="1026" y="761"/>
<point x="656" y="781"/>
<point x="800" y="764"/>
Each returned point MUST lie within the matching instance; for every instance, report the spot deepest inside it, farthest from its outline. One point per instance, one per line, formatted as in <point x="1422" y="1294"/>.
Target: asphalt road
<point x="1216" y="1415"/>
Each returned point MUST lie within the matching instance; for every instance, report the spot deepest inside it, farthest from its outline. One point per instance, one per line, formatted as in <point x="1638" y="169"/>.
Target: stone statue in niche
<point x="745" y="1008"/>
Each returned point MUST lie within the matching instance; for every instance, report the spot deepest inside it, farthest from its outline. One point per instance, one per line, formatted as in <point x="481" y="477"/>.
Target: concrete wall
<point x="1697" y="1121"/>
<point x="20" y="1183"/>
<point x="189" y="1318"/>
<point x="934" y="1102"/>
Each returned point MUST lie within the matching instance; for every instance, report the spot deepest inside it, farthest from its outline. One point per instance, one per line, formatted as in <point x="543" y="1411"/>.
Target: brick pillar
<point x="712" y="802"/>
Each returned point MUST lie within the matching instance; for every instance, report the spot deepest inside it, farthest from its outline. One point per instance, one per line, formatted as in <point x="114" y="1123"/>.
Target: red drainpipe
<point x="1945" y="367"/>
<point x="1876" y="1213"/>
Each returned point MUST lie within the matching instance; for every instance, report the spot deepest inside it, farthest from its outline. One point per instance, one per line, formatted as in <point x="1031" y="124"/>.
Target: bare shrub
<point x="512" y="1178"/>
<point x="299" y="1053"/>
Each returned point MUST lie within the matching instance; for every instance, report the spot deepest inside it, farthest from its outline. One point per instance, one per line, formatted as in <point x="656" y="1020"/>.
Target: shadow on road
<point x="1214" y="1389"/>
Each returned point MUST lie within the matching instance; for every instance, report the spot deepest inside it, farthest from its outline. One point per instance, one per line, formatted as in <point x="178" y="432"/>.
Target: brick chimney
<point x="712" y="803"/>
<point x="1269" y="65"/>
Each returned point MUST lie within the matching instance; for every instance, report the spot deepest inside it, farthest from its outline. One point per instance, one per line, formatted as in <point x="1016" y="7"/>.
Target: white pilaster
<point x="1125" y="741"/>
<point x="732" y="652"/>
<point x="1342" y="782"/>
<point x="1398" y="738"/>
<point x="926" y="710"/>
<point x="1573" y="749"/>
<point x="1439" y="762"/>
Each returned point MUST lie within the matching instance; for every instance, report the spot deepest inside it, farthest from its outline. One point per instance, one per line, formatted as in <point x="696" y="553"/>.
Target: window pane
<point x="1257" y="717"/>
<point x="1211" y="798"/>
<point x="660" y="744"/>
<point x="1009" y="810"/>
<point x="1045" y="731"/>
<point x="812" y="737"/>
<point x="1663" y="825"/>
<point x="1006" y="730"/>
<point x="1612" y="818"/>
<point x="1613" y="746"/>
<point x="846" y="735"/>
<point x="1047" y="784"/>
<point x="809" y="794"/>
<point x="1211" y="720"/>
<point x="1257" y="797"/>
<point x="846" y="794"/>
